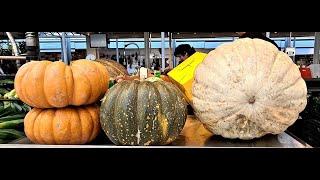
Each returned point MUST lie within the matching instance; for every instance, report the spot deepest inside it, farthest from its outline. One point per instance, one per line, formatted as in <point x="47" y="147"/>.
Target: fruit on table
<point x="143" y="113"/>
<point x="165" y="78"/>
<point x="70" y="125"/>
<point x="193" y="133"/>
<point x="46" y="84"/>
<point x="113" y="67"/>
<point x="248" y="88"/>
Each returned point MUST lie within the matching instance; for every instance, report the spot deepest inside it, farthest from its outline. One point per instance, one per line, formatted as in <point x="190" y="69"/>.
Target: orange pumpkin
<point x="46" y="84"/>
<point x="165" y="78"/>
<point x="71" y="125"/>
<point x="113" y="67"/>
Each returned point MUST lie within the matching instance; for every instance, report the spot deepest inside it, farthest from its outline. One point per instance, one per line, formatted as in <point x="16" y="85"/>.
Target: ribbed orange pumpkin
<point x="46" y="84"/>
<point x="71" y="125"/>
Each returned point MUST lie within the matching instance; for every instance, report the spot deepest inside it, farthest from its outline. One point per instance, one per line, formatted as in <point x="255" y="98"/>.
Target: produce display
<point x="4" y="83"/>
<point x="248" y="88"/>
<point x="114" y="68"/>
<point x="63" y="97"/>
<point x="12" y="113"/>
<point x="241" y="90"/>
<point x="46" y="84"/>
<point x="70" y="125"/>
<point x="143" y="113"/>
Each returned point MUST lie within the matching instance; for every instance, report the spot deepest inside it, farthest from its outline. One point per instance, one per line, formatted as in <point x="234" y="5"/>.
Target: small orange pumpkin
<point x="46" y="84"/>
<point x="71" y="125"/>
<point x="165" y="78"/>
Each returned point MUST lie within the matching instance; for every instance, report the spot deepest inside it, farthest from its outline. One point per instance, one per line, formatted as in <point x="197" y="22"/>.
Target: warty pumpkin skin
<point x="70" y="125"/>
<point x="46" y="84"/>
<point x="114" y="68"/>
<point x="248" y="88"/>
<point x="143" y="113"/>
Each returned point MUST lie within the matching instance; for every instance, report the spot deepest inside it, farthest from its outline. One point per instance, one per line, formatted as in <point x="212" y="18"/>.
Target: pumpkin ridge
<point x="273" y="64"/>
<point x="69" y="130"/>
<point x="117" y="127"/>
<point x="38" y="120"/>
<point x="143" y="101"/>
<point x="133" y="110"/>
<point x="91" y="85"/>
<point x="163" y="120"/>
<point x="43" y="90"/>
<point x="287" y="87"/>
<point x="147" y="85"/>
<point x="25" y="92"/>
<point x="74" y="90"/>
<point x="27" y="118"/>
<point x="102" y="81"/>
<point x="111" y="113"/>
<point x="270" y="73"/>
<point x="100" y="84"/>
<point x="70" y="96"/>
<point x="175" y="120"/>
<point x="158" y="134"/>
<point x="135" y="105"/>
<point x="221" y="81"/>
<point x="18" y="81"/>
<point x="80" y="129"/>
<point x="97" y="121"/>
<point x="53" y="124"/>
<point x="92" y="122"/>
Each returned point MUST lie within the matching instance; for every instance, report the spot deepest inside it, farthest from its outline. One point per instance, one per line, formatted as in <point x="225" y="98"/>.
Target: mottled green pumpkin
<point x="143" y="113"/>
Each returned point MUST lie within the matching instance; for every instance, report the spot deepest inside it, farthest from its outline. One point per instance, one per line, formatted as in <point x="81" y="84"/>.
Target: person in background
<point x="258" y="35"/>
<point x="183" y="51"/>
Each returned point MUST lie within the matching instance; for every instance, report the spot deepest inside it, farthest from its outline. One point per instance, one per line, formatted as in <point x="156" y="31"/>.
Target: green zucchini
<point x="11" y="124"/>
<point x="9" y="111"/>
<point x="10" y="134"/>
<point x="13" y="117"/>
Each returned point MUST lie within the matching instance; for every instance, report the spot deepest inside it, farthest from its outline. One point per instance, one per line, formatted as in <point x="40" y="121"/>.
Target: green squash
<point x="143" y="113"/>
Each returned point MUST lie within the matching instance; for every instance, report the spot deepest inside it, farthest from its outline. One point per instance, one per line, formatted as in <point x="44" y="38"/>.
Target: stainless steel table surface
<point x="194" y="135"/>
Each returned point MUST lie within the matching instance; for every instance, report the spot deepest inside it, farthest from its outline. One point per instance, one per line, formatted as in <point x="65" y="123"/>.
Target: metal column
<point x="117" y="49"/>
<point x="32" y="45"/>
<point x="170" y="51"/>
<point x="316" y="48"/>
<point x="173" y="49"/>
<point x="146" y="49"/>
<point x="163" y="59"/>
<point x="64" y="49"/>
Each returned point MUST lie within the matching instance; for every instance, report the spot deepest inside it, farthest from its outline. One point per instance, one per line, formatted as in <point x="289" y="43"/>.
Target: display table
<point x="193" y="135"/>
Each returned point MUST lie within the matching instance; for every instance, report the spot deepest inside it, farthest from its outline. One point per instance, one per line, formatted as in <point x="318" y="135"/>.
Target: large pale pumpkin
<point x="46" y="84"/>
<point x="113" y="67"/>
<point x="70" y="125"/>
<point x="143" y="113"/>
<point x="248" y="88"/>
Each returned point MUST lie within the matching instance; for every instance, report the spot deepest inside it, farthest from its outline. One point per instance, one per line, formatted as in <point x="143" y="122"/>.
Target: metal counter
<point x="194" y="135"/>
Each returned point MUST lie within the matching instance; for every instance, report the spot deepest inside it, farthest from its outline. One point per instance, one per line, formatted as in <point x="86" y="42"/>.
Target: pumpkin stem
<point x="252" y="100"/>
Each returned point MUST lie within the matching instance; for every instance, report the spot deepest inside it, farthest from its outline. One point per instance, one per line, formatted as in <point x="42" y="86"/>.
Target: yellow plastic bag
<point x="183" y="74"/>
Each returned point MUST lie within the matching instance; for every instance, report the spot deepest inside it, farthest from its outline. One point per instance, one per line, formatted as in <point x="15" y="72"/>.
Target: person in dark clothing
<point x="257" y="35"/>
<point x="183" y="51"/>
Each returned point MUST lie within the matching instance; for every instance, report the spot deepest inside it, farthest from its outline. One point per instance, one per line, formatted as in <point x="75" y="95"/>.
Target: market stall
<point x="245" y="93"/>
